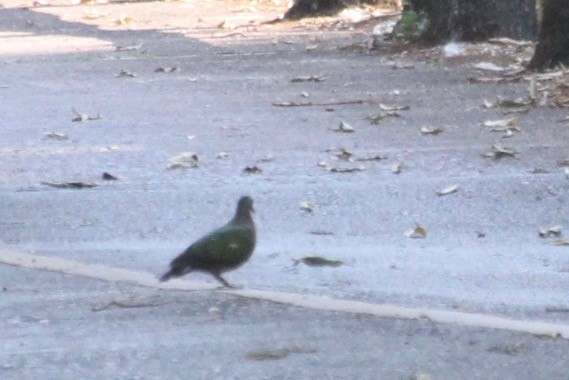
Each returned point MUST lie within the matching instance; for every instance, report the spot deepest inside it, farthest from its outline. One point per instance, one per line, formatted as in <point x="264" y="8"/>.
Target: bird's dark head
<point x="245" y="206"/>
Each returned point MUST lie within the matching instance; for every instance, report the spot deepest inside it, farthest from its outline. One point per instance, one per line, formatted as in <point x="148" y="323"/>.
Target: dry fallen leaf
<point x="307" y="206"/>
<point x="311" y="78"/>
<point x="396" y="168"/>
<point x="276" y="354"/>
<point x="371" y="158"/>
<point x="55" y="136"/>
<point x="431" y="130"/>
<point x="129" y="47"/>
<point x="449" y="190"/>
<point x="80" y="117"/>
<point x="226" y="25"/>
<point x="385" y="107"/>
<point x="109" y="177"/>
<point x="70" y="185"/>
<point x="166" y="69"/>
<point x="489" y="66"/>
<point x="402" y="65"/>
<point x="94" y="15"/>
<point x="499" y="151"/>
<point x="551" y="231"/>
<point x="252" y="169"/>
<point x="268" y="158"/>
<point x="346" y="170"/>
<point x="344" y="128"/>
<point x="124" y="20"/>
<point x="184" y="160"/>
<point x="345" y="155"/>
<point x="416" y="232"/>
<point x="125" y="74"/>
<point x="510" y="122"/>
<point x="378" y="117"/>
<point x="318" y="261"/>
<point x="560" y="242"/>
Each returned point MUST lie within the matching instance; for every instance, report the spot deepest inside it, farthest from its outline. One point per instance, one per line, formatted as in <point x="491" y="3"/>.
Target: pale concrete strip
<point x="105" y="273"/>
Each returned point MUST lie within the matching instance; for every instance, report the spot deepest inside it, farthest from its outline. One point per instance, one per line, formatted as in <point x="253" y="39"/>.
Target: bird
<point x="221" y="250"/>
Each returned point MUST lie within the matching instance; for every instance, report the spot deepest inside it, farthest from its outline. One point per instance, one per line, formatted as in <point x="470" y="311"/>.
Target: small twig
<point x="311" y="104"/>
<point x="125" y="305"/>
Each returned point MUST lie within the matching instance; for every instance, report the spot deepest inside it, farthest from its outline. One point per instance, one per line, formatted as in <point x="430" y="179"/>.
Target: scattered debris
<point x="554" y="309"/>
<point x="226" y="25"/>
<point x="166" y="69"/>
<point x="307" y="206"/>
<point x="509" y="349"/>
<point x="109" y="177"/>
<point x="70" y="185"/>
<point x="417" y="232"/>
<point x="268" y="158"/>
<point x="129" y="303"/>
<point x="80" y="117"/>
<point x="396" y="167"/>
<point x="222" y="155"/>
<point x="344" y="127"/>
<point x="431" y="130"/>
<point x="449" y="190"/>
<point x="277" y="354"/>
<point x="402" y="65"/>
<point x="55" y="136"/>
<point x="311" y="104"/>
<point x="538" y="171"/>
<point x="318" y="261"/>
<point x="321" y="233"/>
<point x="552" y="231"/>
<point x="125" y="74"/>
<point x="94" y="15"/>
<point x="344" y="155"/>
<point x="508" y="131"/>
<point x="346" y="170"/>
<point x="123" y="20"/>
<point x="252" y="169"/>
<point x="312" y="78"/>
<point x="560" y="242"/>
<point x="489" y="66"/>
<point x="371" y="158"/>
<point x="389" y="108"/>
<point x="129" y="48"/>
<point x="503" y="123"/>
<point x="184" y="160"/>
<point x="499" y="151"/>
<point x="378" y="117"/>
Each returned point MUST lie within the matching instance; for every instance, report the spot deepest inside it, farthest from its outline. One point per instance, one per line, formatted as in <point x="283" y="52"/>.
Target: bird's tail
<point x="175" y="271"/>
<point x="172" y="273"/>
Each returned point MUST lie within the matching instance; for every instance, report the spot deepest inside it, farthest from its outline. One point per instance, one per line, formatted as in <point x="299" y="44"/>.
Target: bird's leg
<point x="218" y="277"/>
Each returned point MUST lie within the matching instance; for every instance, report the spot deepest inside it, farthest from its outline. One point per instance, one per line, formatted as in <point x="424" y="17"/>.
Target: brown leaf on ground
<point x="318" y="261"/>
<point x="252" y="169"/>
<point x="70" y="185"/>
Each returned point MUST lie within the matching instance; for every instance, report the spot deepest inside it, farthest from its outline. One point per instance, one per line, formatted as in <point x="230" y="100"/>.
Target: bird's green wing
<point x="224" y="248"/>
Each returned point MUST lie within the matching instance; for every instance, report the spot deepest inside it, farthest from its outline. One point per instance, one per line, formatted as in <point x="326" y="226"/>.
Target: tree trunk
<point x="553" y="45"/>
<point x="477" y="20"/>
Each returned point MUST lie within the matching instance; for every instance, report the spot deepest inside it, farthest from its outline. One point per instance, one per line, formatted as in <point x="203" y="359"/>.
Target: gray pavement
<point x="52" y="59"/>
